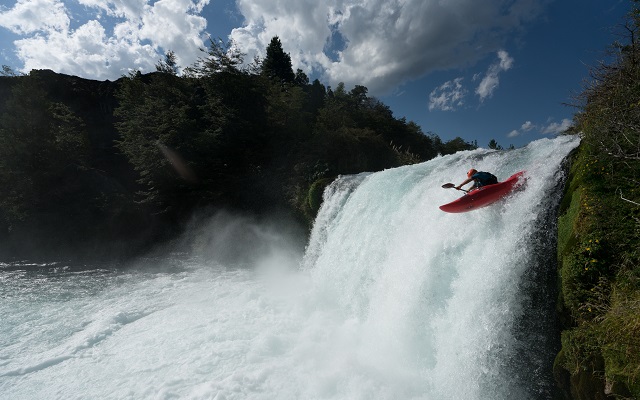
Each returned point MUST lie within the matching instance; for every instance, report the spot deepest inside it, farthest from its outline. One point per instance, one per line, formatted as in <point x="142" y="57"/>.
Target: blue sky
<point x="481" y="70"/>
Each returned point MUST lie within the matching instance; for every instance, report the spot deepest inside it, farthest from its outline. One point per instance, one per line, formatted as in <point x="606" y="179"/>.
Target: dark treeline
<point x="88" y="162"/>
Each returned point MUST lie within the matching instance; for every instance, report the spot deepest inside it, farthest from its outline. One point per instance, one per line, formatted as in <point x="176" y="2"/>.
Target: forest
<point x="117" y="166"/>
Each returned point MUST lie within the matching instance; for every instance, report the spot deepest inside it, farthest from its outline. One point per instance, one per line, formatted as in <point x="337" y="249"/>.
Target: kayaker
<point x="479" y="179"/>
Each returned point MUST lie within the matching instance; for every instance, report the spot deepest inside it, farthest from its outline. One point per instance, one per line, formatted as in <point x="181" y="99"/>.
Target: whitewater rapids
<point x="391" y="298"/>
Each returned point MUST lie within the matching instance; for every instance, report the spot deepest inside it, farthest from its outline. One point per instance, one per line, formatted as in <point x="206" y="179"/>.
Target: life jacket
<point x="484" y="178"/>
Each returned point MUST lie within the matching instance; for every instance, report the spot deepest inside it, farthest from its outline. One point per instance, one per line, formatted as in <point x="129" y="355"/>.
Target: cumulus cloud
<point x="385" y="43"/>
<point x="30" y="16"/>
<point x="377" y="43"/>
<point x="136" y="36"/>
<point x="526" y="127"/>
<point x="551" y="128"/>
<point x="448" y="96"/>
<point x="513" y="133"/>
<point x="491" y="80"/>
<point x="555" y="128"/>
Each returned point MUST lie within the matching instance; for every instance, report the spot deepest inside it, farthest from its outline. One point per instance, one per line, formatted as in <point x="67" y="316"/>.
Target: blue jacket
<point x="483" y="178"/>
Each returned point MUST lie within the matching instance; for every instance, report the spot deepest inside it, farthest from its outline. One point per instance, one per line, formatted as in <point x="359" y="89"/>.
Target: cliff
<point x="599" y="278"/>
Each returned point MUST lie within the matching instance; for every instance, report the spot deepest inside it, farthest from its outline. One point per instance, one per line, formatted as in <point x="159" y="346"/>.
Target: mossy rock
<point x="316" y="190"/>
<point x="562" y="376"/>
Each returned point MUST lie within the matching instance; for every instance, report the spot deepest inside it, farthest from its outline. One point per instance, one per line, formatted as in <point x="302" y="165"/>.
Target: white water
<point x="393" y="299"/>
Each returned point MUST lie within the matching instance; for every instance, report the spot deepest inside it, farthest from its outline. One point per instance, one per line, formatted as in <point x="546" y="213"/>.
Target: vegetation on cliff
<point x="599" y="233"/>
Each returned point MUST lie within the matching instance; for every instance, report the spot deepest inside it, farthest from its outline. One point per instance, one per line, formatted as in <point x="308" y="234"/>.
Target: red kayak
<point x="485" y="195"/>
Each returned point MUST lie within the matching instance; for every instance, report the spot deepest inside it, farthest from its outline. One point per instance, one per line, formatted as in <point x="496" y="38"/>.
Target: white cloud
<point x="527" y="126"/>
<point x="492" y="79"/>
<point x="303" y="26"/>
<point x="128" y="9"/>
<point x="552" y="128"/>
<point x="513" y="133"/>
<point x="448" y="96"/>
<point x="170" y="25"/>
<point x="555" y="128"/>
<point x="136" y="35"/>
<point x="382" y="44"/>
<point x="31" y="16"/>
<point x="387" y="42"/>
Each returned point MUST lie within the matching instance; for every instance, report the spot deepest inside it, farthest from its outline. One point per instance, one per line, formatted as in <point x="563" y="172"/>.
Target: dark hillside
<point x="116" y="166"/>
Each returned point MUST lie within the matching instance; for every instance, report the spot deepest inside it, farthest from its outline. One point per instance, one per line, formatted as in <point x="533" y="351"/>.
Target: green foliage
<point x="599" y="230"/>
<point x="7" y="71"/>
<point x="169" y="64"/>
<point x="301" y="79"/>
<point x="220" y="57"/>
<point x="70" y="136"/>
<point x="316" y="192"/>
<point x="277" y="64"/>
<point x="455" y="145"/>
<point x="600" y="267"/>
<point x="38" y="140"/>
<point x="494" y="145"/>
<point x="214" y="133"/>
<point x="285" y="109"/>
<point x="161" y="135"/>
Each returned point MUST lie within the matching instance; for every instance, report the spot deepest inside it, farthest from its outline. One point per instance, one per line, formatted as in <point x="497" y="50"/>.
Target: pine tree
<point x="169" y="65"/>
<point x="277" y="63"/>
<point x="494" y="145"/>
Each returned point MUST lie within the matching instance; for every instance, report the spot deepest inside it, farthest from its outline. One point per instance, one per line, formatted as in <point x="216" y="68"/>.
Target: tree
<point x="277" y="64"/>
<point x="359" y="95"/>
<point x="336" y="112"/>
<point x="611" y="111"/>
<point x="7" y="71"/>
<point x="284" y="109"/>
<point x="38" y="140"/>
<point x="221" y="57"/>
<point x="494" y="145"/>
<point x="158" y="128"/>
<point x="301" y="79"/>
<point x="317" y="95"/>
<point x="456" y="144"/>
<point x="169" y="64"/>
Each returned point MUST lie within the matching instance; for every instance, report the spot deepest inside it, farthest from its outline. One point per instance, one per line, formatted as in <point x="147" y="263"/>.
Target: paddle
<point x="451" y="186"/>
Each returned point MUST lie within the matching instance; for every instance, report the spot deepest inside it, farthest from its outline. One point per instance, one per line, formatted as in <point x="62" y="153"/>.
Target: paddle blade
<point x="448" y="185"/>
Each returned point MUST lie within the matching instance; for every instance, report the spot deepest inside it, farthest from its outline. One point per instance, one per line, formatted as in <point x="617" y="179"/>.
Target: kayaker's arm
<point x="464" y="183"/>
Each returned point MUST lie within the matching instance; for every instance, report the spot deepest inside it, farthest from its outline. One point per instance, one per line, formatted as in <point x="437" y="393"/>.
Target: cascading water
<point x="392" y="299"/>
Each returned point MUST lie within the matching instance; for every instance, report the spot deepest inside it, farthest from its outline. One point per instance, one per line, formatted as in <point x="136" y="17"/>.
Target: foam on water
<point x="392" y="299"/>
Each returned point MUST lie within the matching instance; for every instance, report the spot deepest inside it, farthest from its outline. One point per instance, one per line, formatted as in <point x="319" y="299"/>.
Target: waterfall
<point x="391" y="299"/>
<point x="460" y="301"/>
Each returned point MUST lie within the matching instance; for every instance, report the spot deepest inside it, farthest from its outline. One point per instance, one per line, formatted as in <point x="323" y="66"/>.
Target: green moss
<point x="314" y="197"/>
<point x="566" y="236"/>
<point x="599" y="284"/>
<point x="599" y="232"/>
